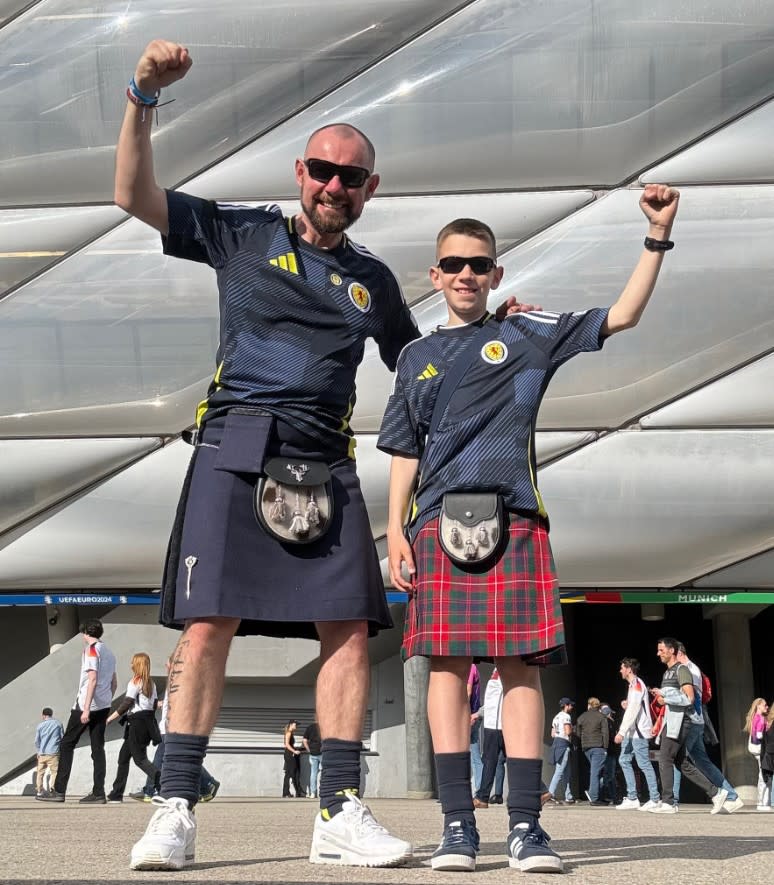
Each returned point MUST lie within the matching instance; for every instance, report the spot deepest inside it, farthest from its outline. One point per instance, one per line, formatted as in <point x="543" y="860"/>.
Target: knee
<point x="348" y="639"/>
<point x="209" y="634"/>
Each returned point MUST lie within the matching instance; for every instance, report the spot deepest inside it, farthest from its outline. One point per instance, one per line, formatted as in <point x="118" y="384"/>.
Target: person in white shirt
<point x="634" y="735"/>
<point x="561" y="751"/>
<point x="138" y="712"/>
<point x="494" y="743"/>
<point x="92" y="706"/>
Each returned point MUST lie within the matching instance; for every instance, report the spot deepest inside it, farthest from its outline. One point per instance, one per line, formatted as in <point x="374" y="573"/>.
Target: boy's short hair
<point x="92" y="628"/>
<point x="47" y="711"/>
<point x="468" y="227"/>
<point x="632" y="663"/>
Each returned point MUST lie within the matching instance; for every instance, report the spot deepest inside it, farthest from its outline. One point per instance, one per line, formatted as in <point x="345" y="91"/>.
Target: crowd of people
<point x="272" y="535"/>
<point x="665" y="731"/>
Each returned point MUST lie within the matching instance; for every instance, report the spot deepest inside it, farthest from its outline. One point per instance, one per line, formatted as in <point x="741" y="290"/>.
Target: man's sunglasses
<point x="479" y="264"/>
<point x="349" y="176"/>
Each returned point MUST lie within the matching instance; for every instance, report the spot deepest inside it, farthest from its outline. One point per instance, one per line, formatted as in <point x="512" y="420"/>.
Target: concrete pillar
<point x="62" y="625"/>
<point x="420" y="781"/>
<point x="734" y="692"/>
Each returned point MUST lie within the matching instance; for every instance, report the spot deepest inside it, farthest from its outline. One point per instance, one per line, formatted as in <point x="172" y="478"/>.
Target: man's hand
<point x="618" y="739"/>
<point x="161" y="64"/>
<point x="659" y="203"/>
<point x="85" y="717"/>
<point x="511" y="305"/>
<point x="399" y="551"/>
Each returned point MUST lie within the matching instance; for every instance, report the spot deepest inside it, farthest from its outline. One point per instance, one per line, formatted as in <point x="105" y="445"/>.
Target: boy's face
<point x="466" y="290"/>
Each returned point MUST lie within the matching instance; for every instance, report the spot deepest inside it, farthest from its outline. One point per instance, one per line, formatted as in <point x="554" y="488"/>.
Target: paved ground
<point x="267" y="841"/>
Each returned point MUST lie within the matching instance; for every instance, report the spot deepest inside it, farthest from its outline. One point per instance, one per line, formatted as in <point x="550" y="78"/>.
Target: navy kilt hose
<point x="508" y="608"/>
<point x="222" y="563"/>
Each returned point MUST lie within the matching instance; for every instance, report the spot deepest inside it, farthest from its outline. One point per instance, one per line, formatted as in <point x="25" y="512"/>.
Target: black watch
<point x="658" y="245"/>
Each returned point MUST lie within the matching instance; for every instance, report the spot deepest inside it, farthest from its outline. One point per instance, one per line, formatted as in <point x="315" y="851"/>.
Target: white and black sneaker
<point x="169" y="842"/>
<point x="354" y="838"/>
<point x="458" y="847"/>
<point x="719" y="800"/>
<point x="529" y="851"/>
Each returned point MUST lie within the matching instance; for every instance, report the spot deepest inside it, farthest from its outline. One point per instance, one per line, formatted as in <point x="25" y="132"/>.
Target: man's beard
<point x="330" y="224"/>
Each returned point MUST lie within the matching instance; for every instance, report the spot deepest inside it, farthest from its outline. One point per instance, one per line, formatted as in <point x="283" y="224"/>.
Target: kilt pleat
<point x="510" y="608"/>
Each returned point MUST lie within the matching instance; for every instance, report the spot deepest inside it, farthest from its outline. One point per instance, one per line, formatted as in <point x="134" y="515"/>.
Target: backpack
<point x="658" y="711"/>
<point x="706" y="688"/>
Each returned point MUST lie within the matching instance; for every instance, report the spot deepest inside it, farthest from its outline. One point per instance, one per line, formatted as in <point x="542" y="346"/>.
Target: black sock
<point x="340" y="774"/>
<point x="453" y="772"/>
<point x="182" y="767"/>
<point x="524" y="790"/>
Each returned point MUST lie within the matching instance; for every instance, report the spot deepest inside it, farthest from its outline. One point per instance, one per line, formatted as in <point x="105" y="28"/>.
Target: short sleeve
<point x="398" y="434"/>
<point x="132" y="690"/>
<point x="400" y="328"/>
<point x="564" y="335"/>
<point x="92" y="658"/>
<point x="684" y="676"/>
<point x="209" y="232"/>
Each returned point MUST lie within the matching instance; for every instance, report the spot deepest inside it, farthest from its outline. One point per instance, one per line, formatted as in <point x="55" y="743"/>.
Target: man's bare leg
<point x="344" y="831"/>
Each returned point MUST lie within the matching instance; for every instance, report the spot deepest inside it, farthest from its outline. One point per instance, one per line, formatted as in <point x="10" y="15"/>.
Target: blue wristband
<point x="140" y="96"/>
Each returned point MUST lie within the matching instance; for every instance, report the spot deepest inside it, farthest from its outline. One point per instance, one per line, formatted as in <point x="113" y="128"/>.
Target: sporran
<point x="294" y="500"/>
<point x="470" y="526"/>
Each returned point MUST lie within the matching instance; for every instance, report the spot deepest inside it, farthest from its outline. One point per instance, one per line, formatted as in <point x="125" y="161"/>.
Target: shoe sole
<point x="151" y="860"/>
<point x="453" y="863"/>
<point x="343" y="857"/>
<point x="537" y="864"/>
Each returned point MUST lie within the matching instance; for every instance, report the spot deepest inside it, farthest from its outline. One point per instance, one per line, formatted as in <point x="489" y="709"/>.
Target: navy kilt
<point x="222" y="563"/>
<point x="507" y="608"/>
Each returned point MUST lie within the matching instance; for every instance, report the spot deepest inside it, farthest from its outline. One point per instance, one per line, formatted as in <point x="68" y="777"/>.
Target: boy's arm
<point x="659" y="204"/>
<point x="403" y="474"/>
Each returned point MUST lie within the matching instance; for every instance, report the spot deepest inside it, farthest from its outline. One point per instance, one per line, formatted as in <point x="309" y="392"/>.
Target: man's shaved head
<point x="345" y="131"/>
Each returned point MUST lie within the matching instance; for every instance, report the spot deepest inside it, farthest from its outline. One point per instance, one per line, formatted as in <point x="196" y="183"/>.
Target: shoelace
<point x="455" y="837"/>
<point x="172" y="814"/>
<point x="363" y="818"/>
<point x="536" y="836"/>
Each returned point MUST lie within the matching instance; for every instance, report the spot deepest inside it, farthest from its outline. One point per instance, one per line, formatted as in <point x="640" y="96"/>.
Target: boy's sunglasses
<point x="480" y="264"/>
<point x="349" y="176"/>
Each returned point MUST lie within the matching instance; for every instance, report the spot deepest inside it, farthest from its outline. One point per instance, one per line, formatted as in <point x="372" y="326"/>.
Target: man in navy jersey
<point x="480" y="570"/>
<point x="298" y="300"/>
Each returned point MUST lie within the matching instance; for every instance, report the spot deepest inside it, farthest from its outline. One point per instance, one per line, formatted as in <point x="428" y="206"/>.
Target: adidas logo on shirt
<point x="286" y="262"/>
<point x="429" y="372"/>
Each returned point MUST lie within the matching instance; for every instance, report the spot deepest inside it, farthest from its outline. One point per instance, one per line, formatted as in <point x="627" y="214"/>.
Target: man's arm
<point x="659" y="204"/>
<point x="91" y="676"/>
<point x="136" y="191"/>
<point x="403" y="474"/>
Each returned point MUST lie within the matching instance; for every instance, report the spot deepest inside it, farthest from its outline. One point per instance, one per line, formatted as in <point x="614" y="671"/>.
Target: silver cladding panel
<point x="128" y="519"/>
<point x="659" y="508"/>
<point x="37" y="474"/>
<point x="66" y="67"/>
<point x="31" y="239"/>
<point x="535" y="94"/>
<point x="122" y="339"/>
<point x="741" y="399"/>
<point x="758" y="571"/>
<point x="739" y="153"/>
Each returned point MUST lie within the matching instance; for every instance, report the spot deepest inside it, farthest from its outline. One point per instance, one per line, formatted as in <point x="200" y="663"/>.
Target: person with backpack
<point x="634" y="734"/>
<point x="694" y="744"/>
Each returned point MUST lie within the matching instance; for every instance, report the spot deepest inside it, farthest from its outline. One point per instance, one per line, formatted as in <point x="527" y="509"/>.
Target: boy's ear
<point x="435" y="278"/>
<point x="497" y="276"/>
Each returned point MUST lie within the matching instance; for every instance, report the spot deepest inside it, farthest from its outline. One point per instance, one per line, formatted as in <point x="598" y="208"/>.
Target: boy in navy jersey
<point x="486" y="587"/>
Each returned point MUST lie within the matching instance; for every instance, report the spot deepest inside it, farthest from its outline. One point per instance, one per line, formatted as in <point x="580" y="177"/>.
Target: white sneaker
<point x="764" y="808"/>
<point x="718" y="800"/>
<point x="628" y="805"/>
<point x="169" y="843"/>
<point x="647" y="806"/>
<point x="354" y="838"/>
<point x="663" y="808"/>
<point x="733" y="805"/>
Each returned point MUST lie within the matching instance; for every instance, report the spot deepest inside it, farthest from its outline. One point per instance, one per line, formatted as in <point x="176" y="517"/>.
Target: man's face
<point x="625" y="672"/>
<point x="465" y="290"/>
<point x="664" y="653"/>
<point x="331" y="207"/>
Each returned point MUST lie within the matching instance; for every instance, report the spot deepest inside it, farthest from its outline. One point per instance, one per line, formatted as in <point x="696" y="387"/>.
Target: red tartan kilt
<point x="510" y="608"/>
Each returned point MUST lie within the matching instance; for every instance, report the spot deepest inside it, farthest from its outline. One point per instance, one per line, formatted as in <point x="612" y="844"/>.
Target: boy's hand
<point x="161" y="64"/>
<point x="659" y="203"/>
<point x="511" y="305"/>
<point x="399" y="551"/>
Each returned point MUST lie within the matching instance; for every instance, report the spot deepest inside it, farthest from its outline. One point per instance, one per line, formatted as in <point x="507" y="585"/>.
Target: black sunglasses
<point x="479" y="264"/>
<point x="349" y="176"/>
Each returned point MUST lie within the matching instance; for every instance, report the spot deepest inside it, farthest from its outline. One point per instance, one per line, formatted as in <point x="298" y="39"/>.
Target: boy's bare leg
<point x="448" y="708"/>
<point x="523" y="709"/>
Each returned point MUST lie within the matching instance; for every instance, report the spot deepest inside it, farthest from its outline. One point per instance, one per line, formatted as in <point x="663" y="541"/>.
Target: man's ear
<point x="373" y="184"/>
<point x="299" y="170"/>
<point x="435" y="278"/>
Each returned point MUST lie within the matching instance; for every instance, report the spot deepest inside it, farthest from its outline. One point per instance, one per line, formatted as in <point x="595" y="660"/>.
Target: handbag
<point x="294" y="499"/>
<point x="470" y="525"/>
<point x="752" y="747"/>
